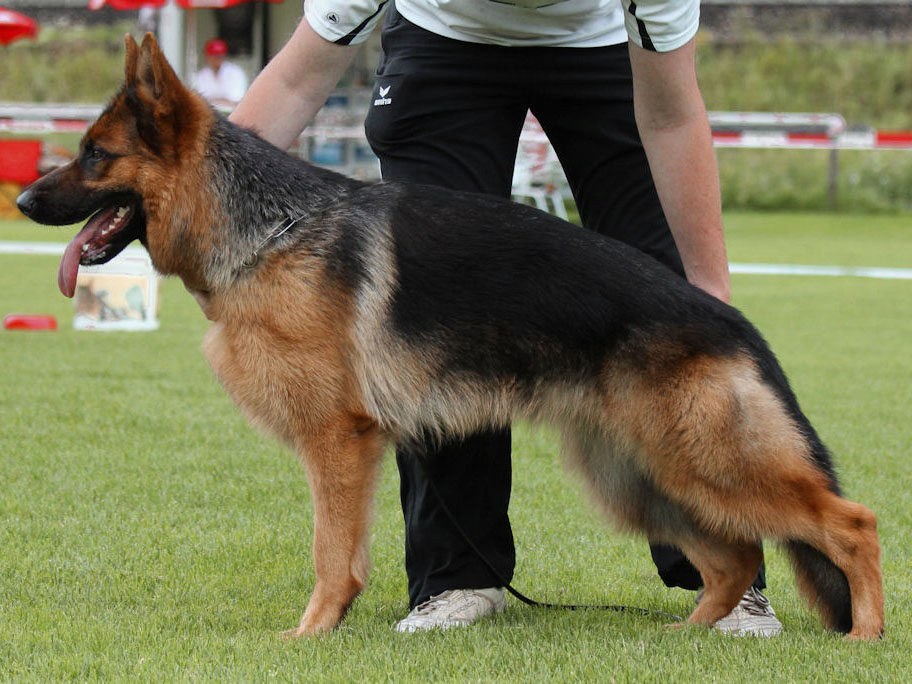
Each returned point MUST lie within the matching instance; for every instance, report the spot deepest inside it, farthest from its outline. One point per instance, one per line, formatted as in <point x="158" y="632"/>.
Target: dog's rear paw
<point x="292" y="634"/>
<point x="864" y="635"/>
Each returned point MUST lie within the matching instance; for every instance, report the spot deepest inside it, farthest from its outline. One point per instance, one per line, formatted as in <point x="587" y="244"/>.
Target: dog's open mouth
<point x="103" y="237"/>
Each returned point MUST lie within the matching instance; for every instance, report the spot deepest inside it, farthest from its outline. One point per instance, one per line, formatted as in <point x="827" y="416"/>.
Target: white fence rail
<point x="336" y="139"/>
<point x="730" y="129"/>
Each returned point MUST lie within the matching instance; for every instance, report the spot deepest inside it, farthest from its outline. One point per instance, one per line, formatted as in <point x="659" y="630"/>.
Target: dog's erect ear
<point x="149" y="74"/>
<point x="155" y="94"/>
<point x="132" y="56"/>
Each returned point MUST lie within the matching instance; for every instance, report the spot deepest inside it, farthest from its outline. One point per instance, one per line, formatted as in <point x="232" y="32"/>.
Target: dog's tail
<point x="823" y="585"/>
<point x="820" y="581"/>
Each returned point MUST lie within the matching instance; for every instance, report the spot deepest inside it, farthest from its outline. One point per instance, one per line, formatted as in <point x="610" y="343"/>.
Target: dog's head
<point x="119" y="179"/>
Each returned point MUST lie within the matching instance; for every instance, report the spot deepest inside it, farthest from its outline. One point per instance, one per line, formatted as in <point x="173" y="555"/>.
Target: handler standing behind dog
<point x="220" y="81"/>
<point x="614" y="88"/>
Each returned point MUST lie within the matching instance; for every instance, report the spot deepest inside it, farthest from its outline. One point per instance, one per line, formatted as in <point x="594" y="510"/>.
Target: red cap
<point x="216" y="46"/>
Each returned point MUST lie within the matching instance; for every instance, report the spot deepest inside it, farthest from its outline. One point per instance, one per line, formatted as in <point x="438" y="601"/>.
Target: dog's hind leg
<point x="832" y="541"/>
<point x="720" y="440"/>
<point x="342" y="464"/>
<point x="833" y="546"/>
<point x="632" y="500"/>
<point x="727" y="570"/>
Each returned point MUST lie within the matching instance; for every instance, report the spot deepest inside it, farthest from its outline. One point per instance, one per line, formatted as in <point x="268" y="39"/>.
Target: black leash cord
<point x="506" y="585"/>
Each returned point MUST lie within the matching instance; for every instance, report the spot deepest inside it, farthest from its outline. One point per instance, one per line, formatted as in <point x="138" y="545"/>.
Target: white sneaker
<point x="453" y="608"/>
<point x="753" y="616"/>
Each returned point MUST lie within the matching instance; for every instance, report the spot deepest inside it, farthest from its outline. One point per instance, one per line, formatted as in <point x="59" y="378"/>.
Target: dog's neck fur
<point x="256" y="191"/>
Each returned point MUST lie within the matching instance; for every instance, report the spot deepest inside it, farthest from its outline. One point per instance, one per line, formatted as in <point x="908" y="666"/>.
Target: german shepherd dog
<point x="346" y="315"/>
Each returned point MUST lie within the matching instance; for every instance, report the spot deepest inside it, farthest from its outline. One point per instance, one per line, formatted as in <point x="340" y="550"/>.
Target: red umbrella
<point x="186" y="4"/>
<point x="14" y="26"/>
<point x="190" y="45"/>
<point x="125" y="5"/>
<point x="212" y="4"/>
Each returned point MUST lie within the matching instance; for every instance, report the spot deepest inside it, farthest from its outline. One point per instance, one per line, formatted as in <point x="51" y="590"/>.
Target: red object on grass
<point x="19" y="160"/>
<point x="14" y="26"/>
<point x="29" y="322"/>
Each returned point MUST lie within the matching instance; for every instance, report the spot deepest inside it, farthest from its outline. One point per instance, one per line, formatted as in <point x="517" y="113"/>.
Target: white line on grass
<point x="47" y="248"/>
<point x="740" y="268"/>
<point x="798" y="269"/>
<point x="32" y="247"/>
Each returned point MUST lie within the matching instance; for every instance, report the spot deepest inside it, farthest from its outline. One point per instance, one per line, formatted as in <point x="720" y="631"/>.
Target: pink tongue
<point x="69" y="264"/>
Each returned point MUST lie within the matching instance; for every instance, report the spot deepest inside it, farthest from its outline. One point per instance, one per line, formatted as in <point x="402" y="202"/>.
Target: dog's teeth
<point x="85" y="248"/>
<point x="122" y="212"/>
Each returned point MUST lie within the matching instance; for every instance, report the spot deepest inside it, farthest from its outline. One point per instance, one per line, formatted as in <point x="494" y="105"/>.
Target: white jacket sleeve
<point x="344" y="22"/>
<point x="661" y="25"/>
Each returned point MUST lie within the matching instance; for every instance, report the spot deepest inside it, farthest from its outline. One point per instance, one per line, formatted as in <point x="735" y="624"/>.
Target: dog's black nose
<point x="26" y="202"/>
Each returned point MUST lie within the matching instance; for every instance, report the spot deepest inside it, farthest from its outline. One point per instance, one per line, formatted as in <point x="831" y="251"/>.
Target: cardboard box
<point x="119" y="295"/>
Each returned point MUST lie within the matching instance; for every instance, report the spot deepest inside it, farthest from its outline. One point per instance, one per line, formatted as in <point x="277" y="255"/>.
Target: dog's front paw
<point x="302" y="631"/>
<point x="311" y="625"/>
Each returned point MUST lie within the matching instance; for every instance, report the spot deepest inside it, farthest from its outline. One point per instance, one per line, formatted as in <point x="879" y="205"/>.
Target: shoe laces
<point x="754" y="602"/>
<point x="433" y="602"/>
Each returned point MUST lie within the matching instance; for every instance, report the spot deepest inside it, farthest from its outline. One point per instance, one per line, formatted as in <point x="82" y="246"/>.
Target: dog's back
<point x="502" y="295"/>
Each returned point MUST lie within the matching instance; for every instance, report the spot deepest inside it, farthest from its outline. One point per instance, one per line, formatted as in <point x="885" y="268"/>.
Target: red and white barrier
<point x="850" y="140"/>
<point x="730" y="129"/>
<point x="900" y="140"/>
<point x="784" y="130"/>
<point x="47" y="118"/>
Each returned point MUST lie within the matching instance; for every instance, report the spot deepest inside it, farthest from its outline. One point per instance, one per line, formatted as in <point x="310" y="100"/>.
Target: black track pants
<point x="449" y="113"/>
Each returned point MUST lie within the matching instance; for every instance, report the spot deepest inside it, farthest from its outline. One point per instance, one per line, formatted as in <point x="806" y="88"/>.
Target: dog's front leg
<point x="342" y="462"/>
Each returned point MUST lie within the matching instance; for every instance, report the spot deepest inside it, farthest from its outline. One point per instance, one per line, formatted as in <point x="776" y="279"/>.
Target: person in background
<point x="614" y="87"/>
<point x="220" y="81"/>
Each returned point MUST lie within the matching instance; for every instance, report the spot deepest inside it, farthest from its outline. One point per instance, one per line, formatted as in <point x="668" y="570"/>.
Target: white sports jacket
<point x="659" y="25"/>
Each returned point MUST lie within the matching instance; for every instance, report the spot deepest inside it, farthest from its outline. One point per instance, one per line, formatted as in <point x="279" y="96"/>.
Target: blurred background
<point x="148" y="535"/>
<point x="811" y="100"/>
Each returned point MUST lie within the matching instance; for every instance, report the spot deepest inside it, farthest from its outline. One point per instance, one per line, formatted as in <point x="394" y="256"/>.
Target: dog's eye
<point x="94" y="154"/>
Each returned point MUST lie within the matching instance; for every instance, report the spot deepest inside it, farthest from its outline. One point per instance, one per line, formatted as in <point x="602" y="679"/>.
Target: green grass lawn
<point x="147" y="534"/>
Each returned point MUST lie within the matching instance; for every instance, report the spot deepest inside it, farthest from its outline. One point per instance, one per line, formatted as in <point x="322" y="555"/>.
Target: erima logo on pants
<point x="383" y="99"/>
